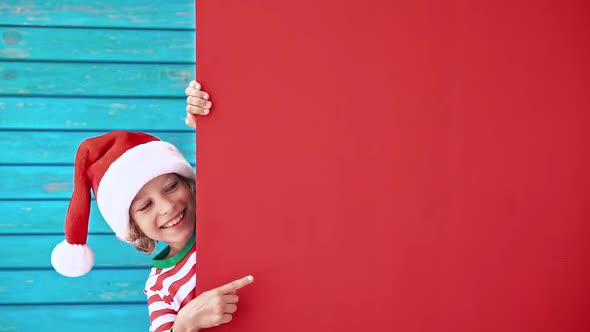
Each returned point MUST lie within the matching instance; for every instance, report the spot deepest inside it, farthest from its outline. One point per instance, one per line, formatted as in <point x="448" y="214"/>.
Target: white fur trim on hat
<point x="129" y="173"/>
<point x="72" y="260"/>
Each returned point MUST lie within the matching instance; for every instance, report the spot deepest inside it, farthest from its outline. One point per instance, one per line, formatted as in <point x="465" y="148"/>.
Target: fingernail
<point x="206" y="96"/>
<point x="208" y="104"/>
<point x="206" y="111"/>
<point x="250" y="278"/>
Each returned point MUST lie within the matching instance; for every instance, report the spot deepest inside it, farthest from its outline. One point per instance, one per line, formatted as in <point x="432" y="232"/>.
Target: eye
<point x="172" y="186"/>
<point x="144" y="206"/>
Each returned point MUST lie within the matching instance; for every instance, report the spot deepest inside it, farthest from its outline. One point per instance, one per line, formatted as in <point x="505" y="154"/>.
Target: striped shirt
<point x="170" y="285"/>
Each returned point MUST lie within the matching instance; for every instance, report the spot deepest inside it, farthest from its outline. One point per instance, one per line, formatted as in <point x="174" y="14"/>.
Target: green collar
<point x="160" y="261"/>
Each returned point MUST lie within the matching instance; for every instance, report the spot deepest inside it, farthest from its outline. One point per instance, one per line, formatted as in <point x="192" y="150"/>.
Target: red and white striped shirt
<point x="170" y="285"/>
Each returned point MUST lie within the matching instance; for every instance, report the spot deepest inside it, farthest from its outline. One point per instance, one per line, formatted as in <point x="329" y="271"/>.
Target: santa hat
<point x="115" y="166"/>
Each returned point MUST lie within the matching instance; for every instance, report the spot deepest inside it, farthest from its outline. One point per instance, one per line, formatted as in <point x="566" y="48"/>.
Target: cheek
<point x="186" y="195"/>
<point x="144" y="221"/>
<point x="192" y="203"/>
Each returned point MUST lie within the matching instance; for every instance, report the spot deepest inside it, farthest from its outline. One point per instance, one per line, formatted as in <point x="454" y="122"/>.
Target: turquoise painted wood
<point x="36" y="43"/>
<point x="43" y="217"/>
<point x="92" y="113"/>
<point x="94" y="79"/>
<point x="46" y="286"/>
<point x="39" y="246"/>
<point x="156" y="14"/>
<point x="71" y="70"/>
<point x="74" y="317"/>
<point x="36" y="182"/>
<point x="60" y="147"/>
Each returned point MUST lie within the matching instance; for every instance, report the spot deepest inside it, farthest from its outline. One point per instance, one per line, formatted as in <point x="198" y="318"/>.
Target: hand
<point x="211" y="308"/>
<point x="197" y="103"/>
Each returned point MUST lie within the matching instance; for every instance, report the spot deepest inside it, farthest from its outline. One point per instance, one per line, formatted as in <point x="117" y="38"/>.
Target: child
<point x="145" y="190"/>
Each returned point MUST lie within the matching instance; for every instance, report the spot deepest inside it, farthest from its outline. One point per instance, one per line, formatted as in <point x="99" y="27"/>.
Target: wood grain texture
<point x="46" y="287"/>
<point x="71" y="70"/>
<point x="75" y="317"/>
<point x="43" y="217"/>
<point x="39" y="43"/>
<point x="162" y="14"/>
<point x="94" y="79"/>
<point x="60" y="146"/>
<point x="36" y="182"/>
<point x="108" y="251"/>
<point x="93" y="113"/>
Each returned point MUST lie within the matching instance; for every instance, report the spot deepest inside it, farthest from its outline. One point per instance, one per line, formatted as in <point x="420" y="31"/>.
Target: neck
<point x="175" y="247"/>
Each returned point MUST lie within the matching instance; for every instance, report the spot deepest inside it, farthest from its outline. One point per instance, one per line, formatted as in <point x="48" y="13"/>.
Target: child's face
<point x="164" y="210"/>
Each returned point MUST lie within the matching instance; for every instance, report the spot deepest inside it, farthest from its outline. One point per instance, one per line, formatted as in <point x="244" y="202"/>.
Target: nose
<point x="165" y="206"/>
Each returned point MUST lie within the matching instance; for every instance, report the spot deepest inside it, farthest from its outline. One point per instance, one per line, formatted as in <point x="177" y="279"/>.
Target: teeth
<point x="174" y="222"/>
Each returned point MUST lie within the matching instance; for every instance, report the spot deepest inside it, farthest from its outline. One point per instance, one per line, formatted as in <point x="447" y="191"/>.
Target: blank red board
<point x="396" y="165"/>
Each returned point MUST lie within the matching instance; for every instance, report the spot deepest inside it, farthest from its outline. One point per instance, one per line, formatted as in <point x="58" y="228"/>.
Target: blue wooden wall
<point x="71" y="69"/>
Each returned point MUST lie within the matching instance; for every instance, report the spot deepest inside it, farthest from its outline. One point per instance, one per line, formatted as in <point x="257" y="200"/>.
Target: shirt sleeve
<point x="162" y="315"/>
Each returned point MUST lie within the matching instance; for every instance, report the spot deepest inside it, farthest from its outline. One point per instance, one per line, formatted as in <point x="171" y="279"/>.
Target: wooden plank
<point x="92" y="113"/>
<point x="76" y="317"/>
<point x="47" y="286"/>
<point x="33" y="251"/>
<point x="42" y="217"/>
<point x="39" y="43"/>
<point x="94" y="79"/>
<point x="61" y="146"/>
<point x="178" y="14"/>
<point x="36" y="182"/>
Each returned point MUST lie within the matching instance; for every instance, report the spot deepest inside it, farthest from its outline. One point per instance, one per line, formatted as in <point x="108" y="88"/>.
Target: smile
<point x="174" y="221"/>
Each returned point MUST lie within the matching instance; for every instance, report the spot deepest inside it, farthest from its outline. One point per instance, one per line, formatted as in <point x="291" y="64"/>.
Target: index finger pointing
<point x="235" y="285"/>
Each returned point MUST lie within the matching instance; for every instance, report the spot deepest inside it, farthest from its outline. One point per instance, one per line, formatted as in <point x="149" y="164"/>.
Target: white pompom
<point x="72" y="260"/>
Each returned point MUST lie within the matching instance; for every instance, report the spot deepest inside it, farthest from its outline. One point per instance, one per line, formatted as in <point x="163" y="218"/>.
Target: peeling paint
<point x="14" y="53"/>
<point x="56" y="186"/>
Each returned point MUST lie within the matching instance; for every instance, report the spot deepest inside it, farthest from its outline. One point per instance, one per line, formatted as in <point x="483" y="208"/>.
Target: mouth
<point x="174" y="221"/>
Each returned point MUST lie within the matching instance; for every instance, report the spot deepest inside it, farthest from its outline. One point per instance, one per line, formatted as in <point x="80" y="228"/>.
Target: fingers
<point x="235" y="285"/>
<point x="226" y="318"/>
<point x="226" y="314"/>
<point x="217" y="306"/>
<point x="230" y="308"/>
<point x="231" y="299"/>
<point x="197" y="101"/>
<point x="196" y="110"/>
<point x="223" y="319"/>
<point x="194" y="84"/>
<point x="191" y="92"/>
<point x="194" y="89"/>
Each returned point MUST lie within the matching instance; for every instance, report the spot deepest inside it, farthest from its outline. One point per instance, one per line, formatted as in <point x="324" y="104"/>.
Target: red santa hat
<point x="115" y="166"/>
